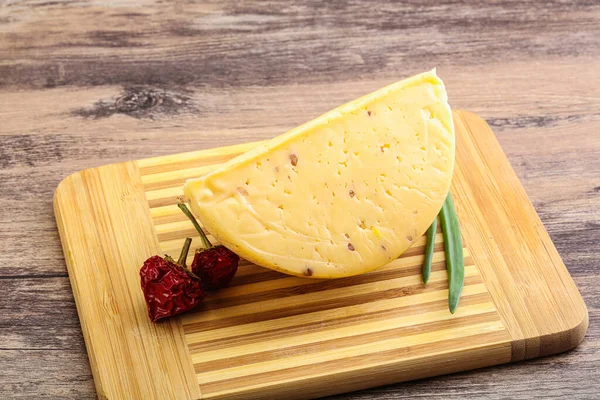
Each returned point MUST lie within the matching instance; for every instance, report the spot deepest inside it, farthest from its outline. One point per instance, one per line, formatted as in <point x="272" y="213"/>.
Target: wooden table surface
<point x="86" y="83"/>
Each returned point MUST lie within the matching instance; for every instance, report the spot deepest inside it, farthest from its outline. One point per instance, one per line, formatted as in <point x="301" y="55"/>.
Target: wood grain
<point x="272" y="336"/>
<point x="508" y="236"/>
<point x="529" y="68"/>
<point x="109" y="234"/>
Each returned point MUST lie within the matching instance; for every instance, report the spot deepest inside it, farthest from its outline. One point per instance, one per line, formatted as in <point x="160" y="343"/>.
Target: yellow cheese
<point x="342" y="194"/>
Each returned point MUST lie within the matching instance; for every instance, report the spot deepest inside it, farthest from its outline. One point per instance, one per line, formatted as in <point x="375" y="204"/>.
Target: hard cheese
<point x="342" y="194"/>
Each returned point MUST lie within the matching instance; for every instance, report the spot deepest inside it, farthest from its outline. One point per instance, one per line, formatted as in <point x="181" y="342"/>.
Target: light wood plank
<point x="107" y="234"/>
<point x="533" y="290"/>
<point x="370" y="334"/>
<point x="397" y="365"/>
<point x="400" y="353"/>
<point x="256" y="328"/>
<point x="329" y="295"/>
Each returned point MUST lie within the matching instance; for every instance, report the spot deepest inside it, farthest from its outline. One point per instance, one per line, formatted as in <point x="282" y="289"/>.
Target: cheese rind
<point x="342" y="194"/>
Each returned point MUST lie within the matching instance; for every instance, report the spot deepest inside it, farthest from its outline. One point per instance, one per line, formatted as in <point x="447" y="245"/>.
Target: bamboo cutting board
<point x="272" y="336"/>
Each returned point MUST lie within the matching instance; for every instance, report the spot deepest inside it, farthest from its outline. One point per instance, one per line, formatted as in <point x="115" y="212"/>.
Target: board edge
<point x="531" y="346"/>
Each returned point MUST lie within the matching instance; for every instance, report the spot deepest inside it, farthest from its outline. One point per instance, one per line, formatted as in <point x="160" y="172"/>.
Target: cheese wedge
<point x="342" y="194"/>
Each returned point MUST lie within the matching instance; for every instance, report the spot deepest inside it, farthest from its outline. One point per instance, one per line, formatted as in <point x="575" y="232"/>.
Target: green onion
<point x="431" y="232"/>
<point x="455" y="263"/>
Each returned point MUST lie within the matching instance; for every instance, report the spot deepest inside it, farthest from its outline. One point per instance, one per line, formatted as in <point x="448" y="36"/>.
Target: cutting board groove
<point x="271" y="335"/>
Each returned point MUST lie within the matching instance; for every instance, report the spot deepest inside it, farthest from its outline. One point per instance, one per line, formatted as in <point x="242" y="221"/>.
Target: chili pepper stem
<point x="186" y="211"/>
<point x="184" y="252"/>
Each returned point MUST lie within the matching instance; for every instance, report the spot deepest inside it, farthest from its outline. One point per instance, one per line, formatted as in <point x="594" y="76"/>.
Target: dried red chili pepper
<point x="215" y="265"/>
<point x="169" y="288"/>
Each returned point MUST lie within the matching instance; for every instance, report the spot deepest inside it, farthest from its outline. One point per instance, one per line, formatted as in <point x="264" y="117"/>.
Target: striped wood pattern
<point x="270" y="329"/>
<point x="270" y="335"/>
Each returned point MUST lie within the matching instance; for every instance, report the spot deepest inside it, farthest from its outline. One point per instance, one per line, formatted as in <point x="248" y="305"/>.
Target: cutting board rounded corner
<point x="67" y="183"/>
<point x="567" y="339"/>
<point x="61" y="188"/>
